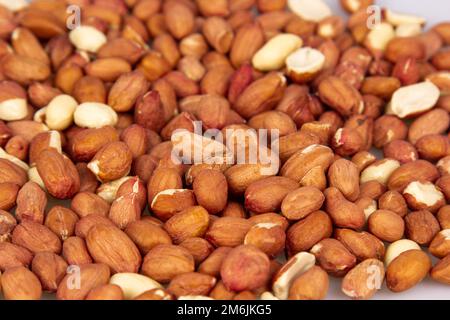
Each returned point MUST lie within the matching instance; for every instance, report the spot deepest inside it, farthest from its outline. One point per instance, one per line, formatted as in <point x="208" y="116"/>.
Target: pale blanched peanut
<point x="55" y="140"/>
<point x="297" y="265"/>
<point x="133" y="284"/>
<point x="273" y="54"/>
<point x="379" y="37"/>
<point x="59" y="112"/>
<point x="94" y="115"/>
<point x="87" y="38"/>
<point x="34" y="176"/>
<point x="408" y="30"/>
<point x="310" y="10"/>
<point x="13" y="109"/>
<point x="414" y="99"/>
<point x="39" y="115"/>
<point x="379" y="171"/>
<point x="398" y="19"/>
<point x="15" y="5"/>
<point x="305" y="63"/>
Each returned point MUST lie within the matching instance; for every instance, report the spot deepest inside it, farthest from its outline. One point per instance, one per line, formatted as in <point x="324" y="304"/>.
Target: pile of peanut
<point x="97" y="95"/>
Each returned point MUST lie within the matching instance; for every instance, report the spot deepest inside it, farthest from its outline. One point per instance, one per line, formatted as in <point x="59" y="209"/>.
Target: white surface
<point x="434" y="11"/>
